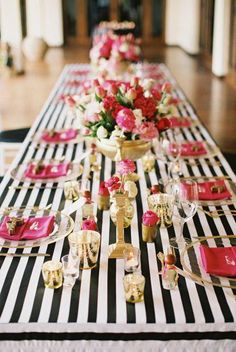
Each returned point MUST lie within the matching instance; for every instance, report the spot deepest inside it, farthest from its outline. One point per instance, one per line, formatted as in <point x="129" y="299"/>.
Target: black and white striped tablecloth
<point x="95" y="308"/>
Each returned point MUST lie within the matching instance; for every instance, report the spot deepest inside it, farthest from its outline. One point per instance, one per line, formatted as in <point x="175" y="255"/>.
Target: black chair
<point x="13" y="136"/>
<point x="231" y="158"/>
<point x="10" y="142"/>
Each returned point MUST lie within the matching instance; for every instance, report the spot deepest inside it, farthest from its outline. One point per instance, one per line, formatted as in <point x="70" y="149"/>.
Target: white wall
<point x="10" y="22"/>
<point x="182" y="25"/>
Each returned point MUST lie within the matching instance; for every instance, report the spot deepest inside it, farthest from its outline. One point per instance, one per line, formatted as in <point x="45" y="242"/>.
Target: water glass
<point x="131" y="259"/>
<point x="52" y="274"/>
<point x="70" y="267"/>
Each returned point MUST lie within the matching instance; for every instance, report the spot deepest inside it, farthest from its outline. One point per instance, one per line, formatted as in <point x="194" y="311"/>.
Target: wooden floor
<point x="21" y="98"/>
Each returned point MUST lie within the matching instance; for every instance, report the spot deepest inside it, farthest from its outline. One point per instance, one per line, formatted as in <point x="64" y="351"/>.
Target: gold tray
<point x="192" y="265"/>
<point x="63" y="226"/>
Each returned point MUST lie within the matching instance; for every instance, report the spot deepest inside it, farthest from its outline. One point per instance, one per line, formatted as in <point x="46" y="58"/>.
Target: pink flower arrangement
<point x="113" y="183"/>
<point x="125" y="167"/>
<point x="110" y="109"/>
<point x="89" y="224"/>
<point x="111" y="46"/>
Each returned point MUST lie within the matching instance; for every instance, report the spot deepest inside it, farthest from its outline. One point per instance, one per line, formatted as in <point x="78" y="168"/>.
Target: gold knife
<point x="24" y="255"/>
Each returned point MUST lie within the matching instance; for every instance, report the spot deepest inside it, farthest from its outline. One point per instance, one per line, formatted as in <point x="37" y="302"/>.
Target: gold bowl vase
<point x="120" y="149"/>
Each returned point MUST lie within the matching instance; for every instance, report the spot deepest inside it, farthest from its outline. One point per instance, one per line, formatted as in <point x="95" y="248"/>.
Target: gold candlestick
<point x="116" y="250"/>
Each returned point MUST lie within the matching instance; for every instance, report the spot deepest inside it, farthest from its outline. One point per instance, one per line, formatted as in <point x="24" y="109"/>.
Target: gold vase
<point x="120" y="149"/>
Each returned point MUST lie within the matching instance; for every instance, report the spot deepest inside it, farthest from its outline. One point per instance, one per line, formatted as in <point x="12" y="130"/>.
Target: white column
<point x="45" y="20"/>
<point x="10" y="22"/>
<point x="221" y="38"/>
<point x="53" y="22"/>
<point x="183" y="24"/>
<point x="34" y="18"/>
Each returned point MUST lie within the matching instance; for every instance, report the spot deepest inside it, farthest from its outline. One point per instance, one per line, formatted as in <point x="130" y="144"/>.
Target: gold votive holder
<point x="148" y="162"/>
<point x="52" y="274"/>
<point x="149" y="233"/>
<point x="134" y="287"/>
<point x="85" y="244"/>
<point x="72" y="190"/>
<point x="103" y="202"/>
<point x="163" y="205"/>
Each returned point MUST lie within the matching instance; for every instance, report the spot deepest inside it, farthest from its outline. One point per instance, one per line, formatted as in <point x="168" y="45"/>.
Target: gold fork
<point x="197" y="163"/>
<point x="219" y="213"/>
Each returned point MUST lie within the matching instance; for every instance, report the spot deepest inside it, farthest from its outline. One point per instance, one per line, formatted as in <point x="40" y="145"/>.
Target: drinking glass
<point x="131" y="259"/>
<point x="70" y="267"/>
<point x="185" y="192"/>
<point x="134" y="285"/>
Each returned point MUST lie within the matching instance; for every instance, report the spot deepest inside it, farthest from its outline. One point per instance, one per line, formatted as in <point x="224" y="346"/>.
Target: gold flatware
<point x="198" y="163"/>
<point x="34" y="187"/>
<point x="34" y="208"/>
<point x="62" y="158"/>
<point x="24" y="255"/>
<point x="218" y="213"/>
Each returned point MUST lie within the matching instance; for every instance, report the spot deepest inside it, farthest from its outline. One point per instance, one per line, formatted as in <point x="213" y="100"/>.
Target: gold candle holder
<point x="163" y="205"/>
<point x="85" y="244"/>
<point x="72" y="190"/>
<point x="52" y="274"/>
<point x="134" y="287"/>
<point x="149" y="233"/>
<point x="116" y="250"/>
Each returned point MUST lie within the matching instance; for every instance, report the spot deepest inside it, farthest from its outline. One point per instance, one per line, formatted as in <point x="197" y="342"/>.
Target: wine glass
<point x="170" y="150"/>
<point x="185" y="192"/>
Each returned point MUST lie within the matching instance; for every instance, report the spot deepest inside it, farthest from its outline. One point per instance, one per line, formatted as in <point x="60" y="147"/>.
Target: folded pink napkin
<point x="213" y="190"/>
<point x="193" y="149"/>
<point x="180" y="121"/>
<point x="60" y="136"/>
<point x="219" y="261"/>
<point x="47" y="171"/>
<point x="29" y="229"/>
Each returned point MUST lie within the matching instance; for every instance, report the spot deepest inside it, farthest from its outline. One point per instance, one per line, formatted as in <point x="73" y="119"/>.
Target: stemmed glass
<point x="170" y="150"/>
<point x="185" y="192"/>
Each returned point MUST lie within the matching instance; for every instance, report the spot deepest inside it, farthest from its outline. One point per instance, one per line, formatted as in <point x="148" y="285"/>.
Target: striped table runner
<point x="96" y="304"/>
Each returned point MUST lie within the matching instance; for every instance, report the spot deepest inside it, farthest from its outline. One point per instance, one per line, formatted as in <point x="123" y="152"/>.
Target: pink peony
<point x="150" y="218"/>
<point x="113" y="183"/>
<point x="147" y="131"/>
<point x="89" y="224"/>
<point x="125" y="167"/>
<point x="125" y="119"/>
<point x="103" y="190"/>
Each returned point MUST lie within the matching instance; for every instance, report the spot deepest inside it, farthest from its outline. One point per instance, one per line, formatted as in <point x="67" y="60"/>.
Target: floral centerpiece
<point x="112" y="54"/>
<point x="123" y="116"/>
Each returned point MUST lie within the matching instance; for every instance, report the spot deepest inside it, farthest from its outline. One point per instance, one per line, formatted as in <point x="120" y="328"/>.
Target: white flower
<point x="116" y="133"/>
<point x="101" y="132"/>
<point x="94" y="107"/>
<point x="124" y="47"/>
<point x="163" y="109"/>
<point x="131" y="188"/>
<point x="148" y="83"/>
<point x="138" y="117"/>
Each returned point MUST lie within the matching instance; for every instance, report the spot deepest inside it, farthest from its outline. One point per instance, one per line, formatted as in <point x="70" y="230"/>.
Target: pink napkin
<point x="219" y="261"/>
<point x="205" y="191"/>
<point x="62" y="136"/>
<point x="31" y="229"/>
<point x="48" y="171"/>
<point x="193" y="149"/>
<point x="180" y="121"/>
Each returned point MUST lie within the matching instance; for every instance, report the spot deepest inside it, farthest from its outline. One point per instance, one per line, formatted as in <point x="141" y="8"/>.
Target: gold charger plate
<point x="192" y="265"/>
<point x="75" y="170"/>
<point x="64" y="224"/>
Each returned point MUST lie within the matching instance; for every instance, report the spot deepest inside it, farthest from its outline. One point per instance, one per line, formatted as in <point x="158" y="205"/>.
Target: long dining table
<point x="94" y="315"/>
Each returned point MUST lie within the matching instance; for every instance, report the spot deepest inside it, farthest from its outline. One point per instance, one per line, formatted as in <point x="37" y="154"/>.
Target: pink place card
<point x="193" y="149"/>
<point x="213" y="190"/>
<point x="180" y="121"/>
